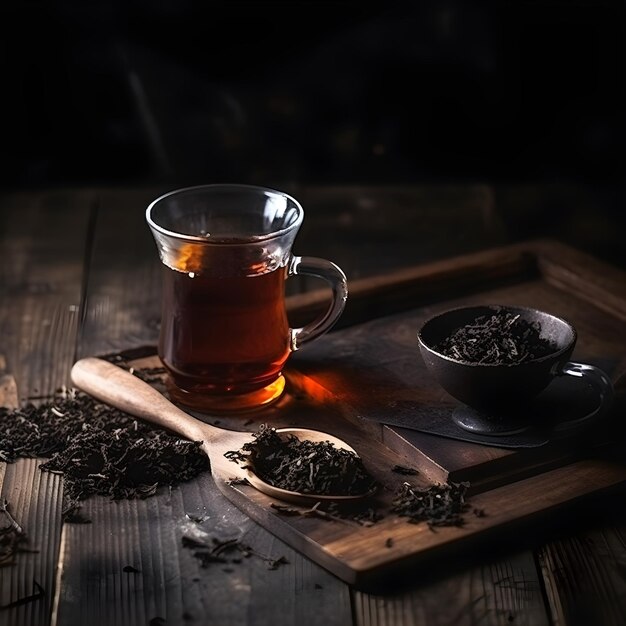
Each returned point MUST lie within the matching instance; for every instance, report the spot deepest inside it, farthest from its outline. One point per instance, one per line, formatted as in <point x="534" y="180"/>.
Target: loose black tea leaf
<point x="287" y="511"/>
<point x="227" y="551"/>
<point x="237" y="481"/>
<point x="438" y="505"/>
<point x="502" y="338"/>
<point x="405" y="471"/>
<point x="72" y="515"/>
<point x="12" y="537"/>
<point x="314" y="511"/>
<point x="357" y="516"/>
<point x="98" y="449"/>
<point x="312" y="467"/>
<point x="359" y="513"/>
<point x="149" y="374"/>
<point x="39" y="592"/>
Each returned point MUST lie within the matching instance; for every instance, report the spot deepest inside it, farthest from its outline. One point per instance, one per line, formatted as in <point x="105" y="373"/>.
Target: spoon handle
<point x="117" y="387"/>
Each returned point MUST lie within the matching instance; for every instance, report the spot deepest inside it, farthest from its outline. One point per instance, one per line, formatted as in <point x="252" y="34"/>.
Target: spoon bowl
<point x="119" y="388"/>
<point x="296" y="497"/>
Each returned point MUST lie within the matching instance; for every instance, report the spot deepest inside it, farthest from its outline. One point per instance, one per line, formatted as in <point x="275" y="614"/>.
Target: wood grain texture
<point x="35" y="499"/>
<point x="585" y="576"/>
<point x="40" y="277"/>
<point x="504" y="591"/>
<point x="122" y="296"/>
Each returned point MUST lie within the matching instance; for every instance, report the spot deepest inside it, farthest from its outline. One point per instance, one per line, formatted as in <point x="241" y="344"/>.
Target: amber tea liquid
<point x="223" y="335"/>
<point x="226" y="252"/>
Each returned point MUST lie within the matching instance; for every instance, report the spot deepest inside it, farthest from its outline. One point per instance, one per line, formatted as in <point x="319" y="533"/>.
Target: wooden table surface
<point x="80" y="276"/>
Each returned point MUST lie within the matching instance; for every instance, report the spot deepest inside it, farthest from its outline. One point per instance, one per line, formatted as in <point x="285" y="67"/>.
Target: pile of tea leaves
<point x="98" y="449"/>
<point x="502" y="338"/>
<point x="311" y="467"/>
<point x="438" y="505"/>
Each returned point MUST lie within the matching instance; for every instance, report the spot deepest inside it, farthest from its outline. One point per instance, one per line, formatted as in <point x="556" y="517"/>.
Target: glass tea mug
<point x="226" y="252"/>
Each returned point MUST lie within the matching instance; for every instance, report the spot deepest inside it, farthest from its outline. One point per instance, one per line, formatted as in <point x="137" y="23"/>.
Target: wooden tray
<point x="374" y="368"/>
<point x="343" y="381"/>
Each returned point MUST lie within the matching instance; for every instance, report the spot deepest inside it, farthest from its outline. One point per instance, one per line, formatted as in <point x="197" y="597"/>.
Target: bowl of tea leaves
<point x="495" y="356"/>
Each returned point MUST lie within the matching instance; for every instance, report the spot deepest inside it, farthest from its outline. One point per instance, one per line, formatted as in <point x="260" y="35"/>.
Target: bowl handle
<point x="602" y="385"/>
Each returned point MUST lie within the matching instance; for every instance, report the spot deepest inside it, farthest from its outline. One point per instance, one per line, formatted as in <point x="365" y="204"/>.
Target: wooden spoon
<point x="121" y="389"/>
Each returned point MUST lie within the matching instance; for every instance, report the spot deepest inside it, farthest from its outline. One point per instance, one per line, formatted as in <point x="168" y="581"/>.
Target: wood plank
<point x="43" y="238"/>
<point x="122" y="297"/>
<point x="41" y="279"/>
<point x="584" y="574"/>
<point x="361" y="557"/>
<point x="501" y="591"/>
<point x="35" y="498"/>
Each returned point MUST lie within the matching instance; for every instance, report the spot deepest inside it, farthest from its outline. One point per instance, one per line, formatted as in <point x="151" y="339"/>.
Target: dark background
<point x="179" y="92"/>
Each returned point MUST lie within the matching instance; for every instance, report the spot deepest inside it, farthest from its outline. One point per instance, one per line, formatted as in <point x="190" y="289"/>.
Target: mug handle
<point x="334" y="276"/>
<point x="601" y="384"/>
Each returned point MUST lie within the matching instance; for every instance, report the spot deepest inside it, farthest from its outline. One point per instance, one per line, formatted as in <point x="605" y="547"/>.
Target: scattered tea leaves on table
<point x="317" y="511"/>
<point x="502" y="338"/>
<point x="310" y="467"/>
<point x="360" y="513"/>
<point x="438" y="505"/>
<point x="98" y="449"/>
<point x="293" y="464"/>
<point x="149" y="374"/>
<point x="227" y="551"/>
<point x="72" y="514"/>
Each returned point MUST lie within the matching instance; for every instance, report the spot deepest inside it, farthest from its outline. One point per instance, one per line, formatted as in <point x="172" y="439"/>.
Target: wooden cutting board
<point x="332" y="387"/>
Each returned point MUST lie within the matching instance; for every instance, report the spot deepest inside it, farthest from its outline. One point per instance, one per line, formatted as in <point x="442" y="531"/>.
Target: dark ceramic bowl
<point x="486" y="385"/>
<point x="494" y="388"/>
